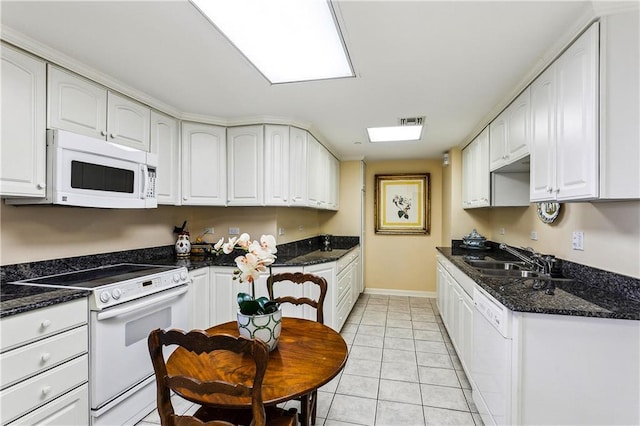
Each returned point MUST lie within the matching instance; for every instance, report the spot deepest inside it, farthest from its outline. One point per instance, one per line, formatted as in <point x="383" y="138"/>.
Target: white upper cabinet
<point x="334" y="187"/>
<point x="23" y="137"/>
<point x="475" y="172"/>
<point x="620" y="106"/>
<point x="543" y="136"/>
<point x="245" y="162"/>
<point x="82" y="106"/>
<point x="298" y="146"/>
<point x="509" y="133"/>
<point x="564" y="160"/>
<point x="204" y="164"/>
<point x="276" y="165"/>
<point x="315" y="162"/>
<point x="76" y="104"/>
<point x="576" y="119"/>
<point x="128" y="122"/>
<point x="165" y="142"/>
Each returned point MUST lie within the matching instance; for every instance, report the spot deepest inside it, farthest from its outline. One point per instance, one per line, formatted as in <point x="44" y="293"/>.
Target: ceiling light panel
<point x="394" y="133"/>
<point x="286" y="40"/>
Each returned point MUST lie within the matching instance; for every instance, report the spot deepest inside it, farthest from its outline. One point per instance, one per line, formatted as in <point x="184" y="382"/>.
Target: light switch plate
<point x="577" y="240"/>
<point x="234" y="231"/>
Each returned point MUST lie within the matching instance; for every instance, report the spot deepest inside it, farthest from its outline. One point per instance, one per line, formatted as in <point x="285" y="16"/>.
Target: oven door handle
<point x="110" y="313"/>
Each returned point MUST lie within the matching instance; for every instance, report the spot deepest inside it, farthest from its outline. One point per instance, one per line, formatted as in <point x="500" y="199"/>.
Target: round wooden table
<point x="308" y="355"/>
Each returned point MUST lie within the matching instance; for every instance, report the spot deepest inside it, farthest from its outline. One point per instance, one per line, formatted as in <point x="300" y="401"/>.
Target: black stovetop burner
<point x="98" y="277"/>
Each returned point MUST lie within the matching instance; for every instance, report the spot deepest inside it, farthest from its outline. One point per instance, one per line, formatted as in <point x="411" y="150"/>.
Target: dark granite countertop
<point x="592" y="293"/>
<point x="15" y="299"/>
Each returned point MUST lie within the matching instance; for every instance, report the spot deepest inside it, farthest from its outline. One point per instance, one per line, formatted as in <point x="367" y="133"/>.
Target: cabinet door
<point x="441" y="284"/>
<point x="518" y="130"/>
<point x="577" y="112"/>
<point x="199" y="299"/>
<point x="334" y="188"/>
<point x="543" y="137"/>
<point x="204" y="165"/>
<point x="497" y="141"/>
<point x="314" y="178"/>
<point x="76" y="104"/>
<point x="298" y="143"/>
<point x="467" y="176"/>
<point x="276" y="165"/>
<point x="23" y="137"/>
<point x="245" y="159"/>
<point x="128" y="122"/>
<point x="222" y="298"/>
<point x="328" y="271"/>
<point x="166" y="144"/>
<point x="466" y="332"/>
<point x="482" y="173"/>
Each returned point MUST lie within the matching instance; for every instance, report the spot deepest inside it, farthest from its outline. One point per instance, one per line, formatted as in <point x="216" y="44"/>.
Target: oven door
<point x="119" y="355"/>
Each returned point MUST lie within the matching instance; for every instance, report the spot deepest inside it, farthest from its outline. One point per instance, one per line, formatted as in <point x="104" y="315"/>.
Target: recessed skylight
<point x="395" y="133"/>
<point x="286" y="40"/>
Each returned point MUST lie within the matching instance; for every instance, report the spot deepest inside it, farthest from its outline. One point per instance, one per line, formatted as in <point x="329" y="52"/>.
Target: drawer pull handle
<point x="45" y="357"/>
<point x="46" y="323"/>
<point x="46" y="390"/>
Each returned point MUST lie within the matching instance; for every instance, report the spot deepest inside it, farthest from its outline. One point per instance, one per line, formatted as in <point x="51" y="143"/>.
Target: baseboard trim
<point x="392" y="292"/>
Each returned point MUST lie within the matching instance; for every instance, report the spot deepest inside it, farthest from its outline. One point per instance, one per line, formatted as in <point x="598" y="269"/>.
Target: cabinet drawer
<point x="344" y="307"/>
<point x="347" y="259"/>
<point x="345" y="283"/>
<point x="25" y="396"/>
<point x="28" y="360"/>
<point x="29" y="326"/>
<point x="71" y="409"/>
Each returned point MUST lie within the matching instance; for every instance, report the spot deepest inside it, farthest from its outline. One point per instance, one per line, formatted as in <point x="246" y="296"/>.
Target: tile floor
<point x="402" y="370"/>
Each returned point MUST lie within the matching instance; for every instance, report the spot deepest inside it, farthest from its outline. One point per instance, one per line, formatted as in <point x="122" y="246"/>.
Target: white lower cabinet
<point x="199" y="290"/>
<point x="455" y="302"/>
<point x="44" y="366"/>
<point x="213" y="292"/>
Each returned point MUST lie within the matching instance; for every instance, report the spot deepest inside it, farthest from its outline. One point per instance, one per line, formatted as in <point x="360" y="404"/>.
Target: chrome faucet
<point x="542" y="263"/>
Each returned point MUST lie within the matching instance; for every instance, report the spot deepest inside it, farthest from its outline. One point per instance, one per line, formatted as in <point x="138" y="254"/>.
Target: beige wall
<point x="402" y="262"/>
<point x="34" y="233"/>
<point x="346" y="221"/>
<point x="611" y="229"/>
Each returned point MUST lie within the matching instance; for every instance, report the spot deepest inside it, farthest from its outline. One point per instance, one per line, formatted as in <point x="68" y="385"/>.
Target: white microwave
<point x="88" y="172"/>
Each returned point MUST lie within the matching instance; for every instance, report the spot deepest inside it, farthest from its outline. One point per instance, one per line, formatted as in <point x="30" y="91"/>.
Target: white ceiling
<point x="455" y="62"/>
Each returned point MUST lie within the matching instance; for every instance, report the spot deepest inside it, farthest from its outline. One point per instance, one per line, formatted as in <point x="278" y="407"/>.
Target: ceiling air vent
<point x="412" y="121"/>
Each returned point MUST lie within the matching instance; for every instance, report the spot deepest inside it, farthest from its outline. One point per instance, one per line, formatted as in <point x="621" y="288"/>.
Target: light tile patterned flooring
<point x="402" y="370"/>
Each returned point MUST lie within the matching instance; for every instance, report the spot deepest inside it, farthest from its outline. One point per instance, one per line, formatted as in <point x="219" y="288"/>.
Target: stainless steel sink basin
<point x="494" y="264"/>
<point x="508" y="273"/>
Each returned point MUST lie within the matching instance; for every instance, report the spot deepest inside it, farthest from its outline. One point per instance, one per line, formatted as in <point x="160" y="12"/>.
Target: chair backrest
<point x="300" y="278"/>
<point x="198" y="342"/>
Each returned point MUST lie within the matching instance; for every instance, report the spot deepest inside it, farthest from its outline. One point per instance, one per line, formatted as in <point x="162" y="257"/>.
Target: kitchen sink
<point x="494" y="264"/>
<point x="509" y="273"/>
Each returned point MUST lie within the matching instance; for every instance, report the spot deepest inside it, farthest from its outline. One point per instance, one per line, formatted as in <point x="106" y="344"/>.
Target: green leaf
<point x="249" y="307"/>
<point x="243" y="297"/>
<point x="400" y="213"/>
<point x="262" y="301"/>
<point x="270" y="307"/>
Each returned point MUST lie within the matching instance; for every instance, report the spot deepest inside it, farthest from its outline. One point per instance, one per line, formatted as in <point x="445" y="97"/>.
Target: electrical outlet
<point x="577" y="240"/>
<point x="501" y="231"/>
<point x="300" y="227"/>
<point x="234" y="231"/>
<point x="280" y="231"/>
<point x="208" y="230"/>
<point x="534" y="235"/>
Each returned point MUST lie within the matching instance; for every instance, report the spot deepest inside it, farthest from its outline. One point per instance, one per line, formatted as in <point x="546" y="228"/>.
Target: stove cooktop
<point x="98" y="277"/>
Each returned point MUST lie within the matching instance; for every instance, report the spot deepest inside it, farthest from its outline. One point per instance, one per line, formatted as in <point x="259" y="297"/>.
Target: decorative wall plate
<point x="548" y="212"/>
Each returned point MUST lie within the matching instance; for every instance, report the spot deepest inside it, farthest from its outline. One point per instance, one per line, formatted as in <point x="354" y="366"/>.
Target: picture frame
<point x="402" y="204"/>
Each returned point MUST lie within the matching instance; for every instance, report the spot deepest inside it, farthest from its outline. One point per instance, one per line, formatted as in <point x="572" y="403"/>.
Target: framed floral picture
<point x="402" y="204"/>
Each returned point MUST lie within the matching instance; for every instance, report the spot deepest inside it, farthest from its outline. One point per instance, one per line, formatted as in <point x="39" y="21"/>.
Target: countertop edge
<point x="490" y="285"/>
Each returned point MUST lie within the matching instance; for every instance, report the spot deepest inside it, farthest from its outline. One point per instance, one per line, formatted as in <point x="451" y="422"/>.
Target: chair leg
<point x="314" y="405"/>
<point x="305" y="410"/>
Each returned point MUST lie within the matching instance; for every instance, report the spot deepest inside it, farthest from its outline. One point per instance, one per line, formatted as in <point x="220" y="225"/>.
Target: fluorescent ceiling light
<point x="395" y="133"/>
<point x="286" y="40"/>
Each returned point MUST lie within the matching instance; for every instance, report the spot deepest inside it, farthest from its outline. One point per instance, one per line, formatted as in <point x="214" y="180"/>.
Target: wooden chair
<point x="308" y="403"/>
<point x="199" y="342"/>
